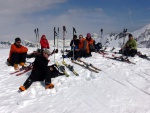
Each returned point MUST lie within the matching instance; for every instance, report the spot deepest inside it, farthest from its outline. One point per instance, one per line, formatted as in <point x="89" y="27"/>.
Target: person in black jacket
<point x="74" y="46"/>
<point x="41" y="71"/>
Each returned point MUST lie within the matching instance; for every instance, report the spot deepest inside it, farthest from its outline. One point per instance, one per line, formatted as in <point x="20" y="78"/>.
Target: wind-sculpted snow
<point x="119" y="88"/>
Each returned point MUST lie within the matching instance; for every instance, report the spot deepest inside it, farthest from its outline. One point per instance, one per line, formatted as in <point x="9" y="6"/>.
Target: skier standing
<point x="44" y="43"/>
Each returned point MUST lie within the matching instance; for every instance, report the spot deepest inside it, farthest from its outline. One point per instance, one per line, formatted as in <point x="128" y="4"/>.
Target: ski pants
<point x="130" y="52"/>
<point x="16" y="58"/>
<point x="37" y="75"/>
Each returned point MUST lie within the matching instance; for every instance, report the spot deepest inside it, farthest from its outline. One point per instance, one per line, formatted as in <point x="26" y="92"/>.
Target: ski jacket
<point x="82" y="44"/>
<point x="76" y="42"/>
<point x="44" y="42"/>
<point x="90" y="44"/>
<point x="40" y="63"/>
<point x="15" y="49"/>
<point x="131" y="44"/>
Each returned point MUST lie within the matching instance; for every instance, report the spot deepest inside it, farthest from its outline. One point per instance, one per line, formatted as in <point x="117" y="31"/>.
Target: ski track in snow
<point x="119" y="88"/>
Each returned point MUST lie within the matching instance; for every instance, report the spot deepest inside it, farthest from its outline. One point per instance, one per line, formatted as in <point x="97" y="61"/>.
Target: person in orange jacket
<point x="44" y="43"/>
<point x="90" y="44"/>
<point x="17" y="54"/>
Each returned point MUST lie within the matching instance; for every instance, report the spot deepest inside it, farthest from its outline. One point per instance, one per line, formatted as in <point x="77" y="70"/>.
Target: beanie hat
<point x="88" y="35"/>
<point x="17" y="39"/>
<point x="47" y="52"/>
<point x="75" y="36"/>
<point x="130" y="35"/>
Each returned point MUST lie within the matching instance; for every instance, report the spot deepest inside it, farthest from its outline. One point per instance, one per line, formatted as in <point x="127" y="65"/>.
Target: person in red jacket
<point x="44" y="43"/>
<point x="17" y="54"/>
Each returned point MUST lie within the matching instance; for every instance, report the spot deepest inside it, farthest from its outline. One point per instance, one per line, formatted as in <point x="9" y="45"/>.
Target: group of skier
<point x="40" y="70"/>
<point x="80" y="47"/>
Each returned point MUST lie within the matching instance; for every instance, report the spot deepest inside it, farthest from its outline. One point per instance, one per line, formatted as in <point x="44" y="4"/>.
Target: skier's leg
<point x="133" y="52"/>
<point x="35" y="75"/>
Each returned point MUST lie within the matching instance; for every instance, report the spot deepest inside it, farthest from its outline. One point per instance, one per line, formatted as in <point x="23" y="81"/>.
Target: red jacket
<point x="44" y="42"/>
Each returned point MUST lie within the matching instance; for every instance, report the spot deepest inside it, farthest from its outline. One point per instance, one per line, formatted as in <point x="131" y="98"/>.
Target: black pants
<point x="16" y="58"/>
<point x="37" y="75"/>
<point x="77" y="54"/>
<point x="130" y="52"/>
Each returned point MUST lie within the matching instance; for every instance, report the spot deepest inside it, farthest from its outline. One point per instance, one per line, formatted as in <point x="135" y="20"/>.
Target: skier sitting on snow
<point x="41" y="71"/>
<point x="17" y="54"/>
<point x="82" y="50"/>
<point x="90" y="45"/>
<point x="74" y="46"/>
<point x="130" y="48"/>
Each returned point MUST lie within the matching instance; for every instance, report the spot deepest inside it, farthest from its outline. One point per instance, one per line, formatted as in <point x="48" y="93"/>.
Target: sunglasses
<point x="18" y="42"/>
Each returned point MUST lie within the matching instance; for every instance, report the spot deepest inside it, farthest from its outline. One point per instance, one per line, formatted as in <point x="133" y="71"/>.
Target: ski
<point x="26" y="70"/>
<point x="124" y="59"/>
<point x="21" y="69"/>
<point x="112" y="49"/>
<point x="143" y="56"/>
<point x="102" y="53"/>
<point x="85" y="66"/>
<point x="120" y="59"/>
<point x="89" y="64"/>
<point x="70" y="68"/>
<point x="62" y="69"/>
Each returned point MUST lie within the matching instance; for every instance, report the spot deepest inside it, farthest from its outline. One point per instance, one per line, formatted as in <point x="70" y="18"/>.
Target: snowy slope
<point x="116" y="40"/>
<point x="119" y="88"/>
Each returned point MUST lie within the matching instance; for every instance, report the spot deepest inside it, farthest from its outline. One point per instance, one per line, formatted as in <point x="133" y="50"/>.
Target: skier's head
<point x="75" y="37"/>
<point x="17" y="41"/>
<point x="88" y="35"/>
<point x="130" y="36"/>
<point x="43" y="37"/>
<point x="46" y="53"/>
<point x="80" y="37"/>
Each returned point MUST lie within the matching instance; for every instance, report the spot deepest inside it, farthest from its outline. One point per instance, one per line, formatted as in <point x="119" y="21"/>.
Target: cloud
<point x="14" y="7"/>
<point x="20" y="18"/>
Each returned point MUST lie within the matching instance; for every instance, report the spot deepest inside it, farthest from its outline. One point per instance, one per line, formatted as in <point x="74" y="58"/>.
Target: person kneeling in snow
<point x="17" y="54"/>
<point x="41" y="71"/>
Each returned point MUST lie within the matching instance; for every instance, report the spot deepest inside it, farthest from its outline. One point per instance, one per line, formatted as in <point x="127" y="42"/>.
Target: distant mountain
<point x="117" y="40"/>
<point x="111" y="40"/>
<point x="5" y="44"/>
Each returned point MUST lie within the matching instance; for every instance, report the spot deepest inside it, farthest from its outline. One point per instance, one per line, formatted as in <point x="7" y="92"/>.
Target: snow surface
<point x="119" y="88"/>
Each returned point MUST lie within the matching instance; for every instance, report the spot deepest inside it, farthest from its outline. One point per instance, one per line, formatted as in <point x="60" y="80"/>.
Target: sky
<point x="19" y="18"/>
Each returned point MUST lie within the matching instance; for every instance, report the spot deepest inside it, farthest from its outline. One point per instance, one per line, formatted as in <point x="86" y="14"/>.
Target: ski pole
<point x="37" y="37"/>
<point x="35" y="31"/>
<point x="57" y="36"/>
<point x="74" y="31"/>
<point x="54" y="42"/>
<point x="101" y="36"/>
<point x="64" y="30"/>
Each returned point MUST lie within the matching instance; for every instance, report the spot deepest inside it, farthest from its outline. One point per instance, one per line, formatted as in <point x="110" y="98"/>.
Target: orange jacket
<point x="81" y="43"/>
<point x="15" y="49"/>
<point x="89" y="43"/>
